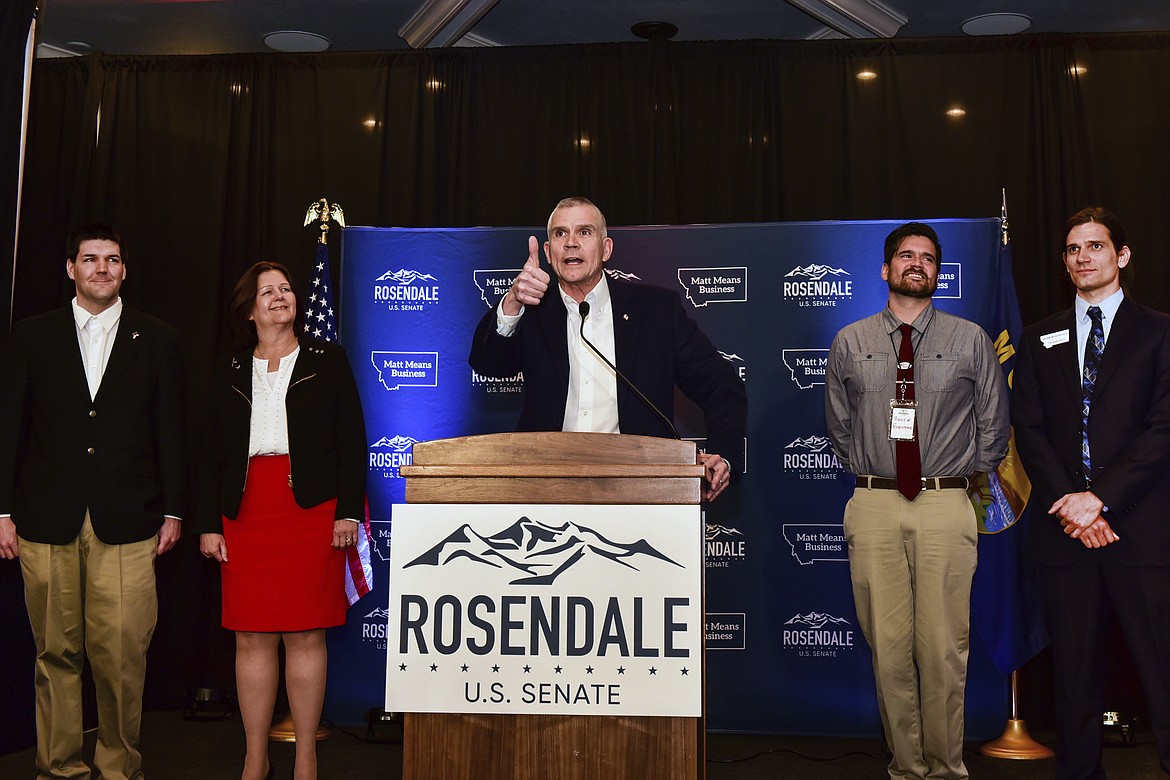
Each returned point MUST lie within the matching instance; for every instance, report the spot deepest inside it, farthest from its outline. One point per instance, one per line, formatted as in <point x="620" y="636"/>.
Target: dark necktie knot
<point x="1094" y="314"/>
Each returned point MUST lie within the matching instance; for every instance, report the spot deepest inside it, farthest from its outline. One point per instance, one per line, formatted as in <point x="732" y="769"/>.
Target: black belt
<point x="928" y="483"/>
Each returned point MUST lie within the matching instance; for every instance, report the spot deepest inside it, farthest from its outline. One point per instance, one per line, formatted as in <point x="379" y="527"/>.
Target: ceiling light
<point x="1077" y="70"/>
<point x="855" y="18"/>
<point x="296" y="41"/>
<point x="956" y="112"/>
<point x="997" y="24"/>
<point x="654" y="31"/>
<point x="866" y="75"/>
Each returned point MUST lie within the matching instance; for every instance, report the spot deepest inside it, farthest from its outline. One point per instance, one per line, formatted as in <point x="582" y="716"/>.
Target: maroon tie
<point x="908" y="456"/>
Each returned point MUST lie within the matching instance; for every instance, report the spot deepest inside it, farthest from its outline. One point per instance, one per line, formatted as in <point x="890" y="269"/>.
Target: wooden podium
<point x="553" y="468"/>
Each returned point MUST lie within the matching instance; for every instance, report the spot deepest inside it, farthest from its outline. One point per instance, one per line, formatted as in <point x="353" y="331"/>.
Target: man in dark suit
<point x="91" y="490"/>
<point x="642" y="329"/>
<point x="1091" y="410"/>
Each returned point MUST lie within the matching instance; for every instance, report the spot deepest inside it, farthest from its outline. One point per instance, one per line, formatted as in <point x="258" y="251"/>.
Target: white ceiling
<point x="226" y="26"/>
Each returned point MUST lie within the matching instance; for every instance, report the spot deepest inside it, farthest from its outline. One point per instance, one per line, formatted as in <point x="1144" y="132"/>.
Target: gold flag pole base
<point x="283" y="731"/>
<point x="1015" y="742"/>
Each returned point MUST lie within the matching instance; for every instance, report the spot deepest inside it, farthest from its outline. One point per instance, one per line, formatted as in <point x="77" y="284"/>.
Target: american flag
<point x="321" y="323"/>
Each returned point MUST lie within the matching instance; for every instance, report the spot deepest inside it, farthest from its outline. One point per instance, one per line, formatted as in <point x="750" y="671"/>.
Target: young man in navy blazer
<point x="640" y="328"/>
<point x="1091" y="410"/>
<point x="91" y="490"/>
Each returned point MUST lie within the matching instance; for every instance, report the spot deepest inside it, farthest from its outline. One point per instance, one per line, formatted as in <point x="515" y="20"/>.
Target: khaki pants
<point x="88" y="598"/>
<point x="911" y="564"/>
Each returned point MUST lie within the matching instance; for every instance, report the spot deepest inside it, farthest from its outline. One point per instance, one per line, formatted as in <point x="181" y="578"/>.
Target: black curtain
<point x="208" y="164"/>
<point x="16" y="724"/>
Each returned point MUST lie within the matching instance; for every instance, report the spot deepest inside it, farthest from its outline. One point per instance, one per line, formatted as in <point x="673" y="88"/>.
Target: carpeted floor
<point x="177" y="749"/>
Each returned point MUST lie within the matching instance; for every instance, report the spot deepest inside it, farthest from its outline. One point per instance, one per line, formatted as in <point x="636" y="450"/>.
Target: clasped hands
<point x="1080" y="515"/>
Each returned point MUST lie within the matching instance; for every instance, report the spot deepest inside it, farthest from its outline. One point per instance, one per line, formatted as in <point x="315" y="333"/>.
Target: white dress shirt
<point x="591" y="403"/>
<point x="96" y="341"/>
<point x="268" y="434"/>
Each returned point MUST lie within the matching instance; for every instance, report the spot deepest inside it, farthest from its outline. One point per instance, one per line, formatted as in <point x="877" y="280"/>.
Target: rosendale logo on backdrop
<point x="406" y="290"/>
<point x="714" y="285"/>
<point x="817" y="634"/>
<point x="726" y="630"/>
<point x="950" y="281"/>
<point x="807" y="366"/>
<point x="724" y="544"/>
<point x="547" y="609"/>
<point x="406" y="369"/>
<point x="811" y="457"/>
<point x="812" y="542"/>
<point x="491" y="384"/>
<point x="817" y="285"/>
<point x="388" y="454"/>
<point x="492" y="284"/>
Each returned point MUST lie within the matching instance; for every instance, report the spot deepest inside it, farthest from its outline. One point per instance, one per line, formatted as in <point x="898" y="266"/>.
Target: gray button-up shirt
<point x="962" y="416"/>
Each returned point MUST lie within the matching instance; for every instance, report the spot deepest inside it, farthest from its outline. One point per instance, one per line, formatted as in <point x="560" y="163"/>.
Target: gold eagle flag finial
<point x="321" y="211"/>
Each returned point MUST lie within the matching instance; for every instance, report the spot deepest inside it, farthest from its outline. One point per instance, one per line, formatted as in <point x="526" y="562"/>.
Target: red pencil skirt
<point x="282" y="574"/>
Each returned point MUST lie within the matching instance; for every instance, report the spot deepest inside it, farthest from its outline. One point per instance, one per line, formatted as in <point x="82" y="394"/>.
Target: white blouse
<point x="269" y="429"/>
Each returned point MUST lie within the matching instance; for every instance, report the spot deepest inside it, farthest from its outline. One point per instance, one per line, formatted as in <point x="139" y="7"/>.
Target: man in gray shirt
<point x="916" y="406"/>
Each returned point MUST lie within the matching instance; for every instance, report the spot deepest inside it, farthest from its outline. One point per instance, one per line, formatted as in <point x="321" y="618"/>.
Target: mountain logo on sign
<point x="398" y="443"/>
<point x="815" y="620"/>
<point x="405" y="276"/>
<point x="811" y="443"/>
<point x="816" y="271"/>
<point x="536" y="551"/>
<point x="617" y="273"/>
<point x="381" y="613"/>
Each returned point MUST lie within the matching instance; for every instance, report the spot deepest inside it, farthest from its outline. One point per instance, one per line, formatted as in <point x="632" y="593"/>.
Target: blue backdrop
<point x="785" y="653"/>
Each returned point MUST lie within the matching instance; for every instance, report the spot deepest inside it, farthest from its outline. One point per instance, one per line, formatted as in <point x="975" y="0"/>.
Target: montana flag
<point x="321" y="323"/>
<point x="1005" y="601"/>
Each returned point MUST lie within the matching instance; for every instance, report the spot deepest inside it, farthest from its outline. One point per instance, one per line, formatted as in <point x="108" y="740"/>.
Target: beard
<point x="914" y="288"/>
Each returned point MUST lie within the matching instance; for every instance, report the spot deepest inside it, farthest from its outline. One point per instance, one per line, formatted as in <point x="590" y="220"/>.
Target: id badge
<point x="902" y="420"/>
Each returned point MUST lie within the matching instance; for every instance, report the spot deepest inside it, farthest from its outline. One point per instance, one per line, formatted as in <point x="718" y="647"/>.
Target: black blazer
<point x="119" y="455"/>
<point x="326" y="436"/>
<point x="656" y="345"/>
<point x="1129" y="431"/>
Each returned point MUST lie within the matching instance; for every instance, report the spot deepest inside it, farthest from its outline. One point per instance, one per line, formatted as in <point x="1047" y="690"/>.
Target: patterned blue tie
<point x="1094" y="347"/>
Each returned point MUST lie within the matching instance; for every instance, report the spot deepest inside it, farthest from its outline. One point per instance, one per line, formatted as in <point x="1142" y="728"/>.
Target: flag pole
<point x="321" y="211"/>
<point x="1015" y="741"/>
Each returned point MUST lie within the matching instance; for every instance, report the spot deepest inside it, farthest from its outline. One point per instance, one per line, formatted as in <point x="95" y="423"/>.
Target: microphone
<point x="583" y="310"/>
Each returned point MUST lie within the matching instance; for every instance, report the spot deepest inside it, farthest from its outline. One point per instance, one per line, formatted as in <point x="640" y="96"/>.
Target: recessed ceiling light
<point x="956" y="112"/>
<point x="296" y="40"/>
<point x="866" y="75"/>
<point x="997" y="24"/>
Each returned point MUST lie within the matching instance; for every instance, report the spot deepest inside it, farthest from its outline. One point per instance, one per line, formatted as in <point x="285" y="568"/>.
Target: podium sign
<point x="546" y="609"/>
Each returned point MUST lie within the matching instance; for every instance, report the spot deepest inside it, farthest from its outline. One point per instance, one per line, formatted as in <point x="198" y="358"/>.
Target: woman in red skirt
<point x="282" y="488"/>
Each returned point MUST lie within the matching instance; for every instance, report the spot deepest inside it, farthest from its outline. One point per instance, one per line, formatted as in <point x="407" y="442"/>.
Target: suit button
<point x="93" y="412"/>
<point x="90" y="451"/>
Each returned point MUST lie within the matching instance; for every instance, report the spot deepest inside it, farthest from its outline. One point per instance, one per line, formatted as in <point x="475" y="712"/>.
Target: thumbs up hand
<point x="530" y="284"/>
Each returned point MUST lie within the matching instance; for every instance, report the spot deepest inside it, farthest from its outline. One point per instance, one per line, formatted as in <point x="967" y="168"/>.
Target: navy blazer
<point x="119" y="455"/>
<point x="326" y="436"/>
<point x="1129" y="432"/>
<point x="657" y="346"/>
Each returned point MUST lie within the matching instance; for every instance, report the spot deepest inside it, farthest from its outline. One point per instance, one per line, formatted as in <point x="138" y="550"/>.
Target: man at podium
<point x="604" y="355"/>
